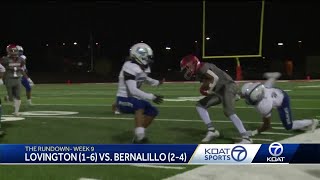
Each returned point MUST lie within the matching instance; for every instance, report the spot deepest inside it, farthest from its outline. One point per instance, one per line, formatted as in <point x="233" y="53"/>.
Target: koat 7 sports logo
<point x="275" y="150"/>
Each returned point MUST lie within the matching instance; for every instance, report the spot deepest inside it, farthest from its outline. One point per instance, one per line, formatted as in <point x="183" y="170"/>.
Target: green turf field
<point x="177" y="123"/>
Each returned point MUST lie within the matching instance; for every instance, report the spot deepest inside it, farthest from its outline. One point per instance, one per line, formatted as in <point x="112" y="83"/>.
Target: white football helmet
<point x="141" y="53"/>
<point x="20" y="49"/>
<point x="252" y="92"/>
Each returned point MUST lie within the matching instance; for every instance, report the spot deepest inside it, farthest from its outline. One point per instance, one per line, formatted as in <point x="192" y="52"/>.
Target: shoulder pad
<point x="131" y="68"/>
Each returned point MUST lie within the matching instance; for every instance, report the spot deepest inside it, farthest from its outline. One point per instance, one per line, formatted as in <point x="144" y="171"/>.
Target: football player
<point x="221" y="89"/>
<point x="26" y="82"/>
<point x="13" y="64"/>
<point x="132" y="100"/>
<point x="2" y="70"/>
<point x="264" y="97"/>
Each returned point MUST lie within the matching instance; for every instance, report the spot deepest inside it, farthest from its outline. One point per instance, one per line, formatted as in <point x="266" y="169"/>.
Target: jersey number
<point x="15" y="72"/>
<point x="274" y="95"/>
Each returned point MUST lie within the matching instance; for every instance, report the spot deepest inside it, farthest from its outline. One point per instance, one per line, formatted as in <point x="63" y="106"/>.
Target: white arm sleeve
<point x="215" y="79"/>
<point x="152" y="82"/>
<point x="132" y="87"/>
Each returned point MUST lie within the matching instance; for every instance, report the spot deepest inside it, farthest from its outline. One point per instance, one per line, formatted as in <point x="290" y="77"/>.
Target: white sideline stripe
<point x="165" y="106"/>
<point x="87" y="179"/>
<point x="277" y="133"/>
<point x="124" y="118"/>
<point x="256" y="139"/>
<point x="158" y="166"/>
<point x="314" y="86"/>
<point x="281" y="128"/>
<point x="256" y="171"/>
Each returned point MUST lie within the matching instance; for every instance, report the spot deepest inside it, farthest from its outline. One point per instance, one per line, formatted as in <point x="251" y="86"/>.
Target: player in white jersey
<point x="132" y="100"/>
<point x="264" y="97"/>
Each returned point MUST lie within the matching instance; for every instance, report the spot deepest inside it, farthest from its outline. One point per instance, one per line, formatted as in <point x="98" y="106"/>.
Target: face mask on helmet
<point x="188" y="66"/>
<point x="12" y="51"/>
<point x="188" y="70"/>
<point x="254" y="93"/>
<point x="20" y="49"/>
<point x="142" y="53"/>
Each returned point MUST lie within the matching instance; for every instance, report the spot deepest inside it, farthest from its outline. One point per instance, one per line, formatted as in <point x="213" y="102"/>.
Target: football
<point x="204" y="87"/>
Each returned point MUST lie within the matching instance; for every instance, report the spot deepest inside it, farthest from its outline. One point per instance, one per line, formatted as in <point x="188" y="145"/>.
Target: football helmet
<point x="252" y="92"/>
<point x="189" y="65"/>
<point x="141" y="53"/>
<point x="12" y="50"/>
<point x="20" y="49"/>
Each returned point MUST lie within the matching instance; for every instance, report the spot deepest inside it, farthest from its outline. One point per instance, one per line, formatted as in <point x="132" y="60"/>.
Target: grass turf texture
<point x="178" y="123"/>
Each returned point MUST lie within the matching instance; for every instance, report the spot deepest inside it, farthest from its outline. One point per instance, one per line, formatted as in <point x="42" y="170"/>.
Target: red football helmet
<point x="12" y="50"/>
<point x="189" y="64"/>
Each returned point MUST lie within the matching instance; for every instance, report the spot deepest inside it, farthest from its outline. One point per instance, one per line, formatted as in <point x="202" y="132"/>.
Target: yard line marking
<point x="281" y="128"/>
<point x="158" y="166"/>
<point x="314" y="86"/>
<point x="277" y="133"/>
<point x="256" y="139"/>
<point x="164" y="106"/>
<point x="84" y="178"/>
<point x="127" y="118"/>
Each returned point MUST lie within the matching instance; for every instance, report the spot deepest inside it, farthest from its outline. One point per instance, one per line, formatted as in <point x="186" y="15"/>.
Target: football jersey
<point x="224" y="78"/>
<point x="272" y="99"/>
<point x="134" y="70"/>
<point x="13" y="68"/>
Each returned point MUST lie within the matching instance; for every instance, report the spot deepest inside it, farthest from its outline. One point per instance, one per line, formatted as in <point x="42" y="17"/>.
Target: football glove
<point x="158" y="99"/>
<point x="30" y="82"/>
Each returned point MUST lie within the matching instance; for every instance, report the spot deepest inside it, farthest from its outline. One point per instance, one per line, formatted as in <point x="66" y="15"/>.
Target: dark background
<point x="48" y="30"/>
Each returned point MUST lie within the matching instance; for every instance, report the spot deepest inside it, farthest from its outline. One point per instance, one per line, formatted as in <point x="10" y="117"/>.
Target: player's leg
<point x="26" y="84"/>
<point x="202" y="108"/>
<point x="130" y="105"/>
<point x="16" y="97"/>
<point x="228" y="102"/>
<point x="150" y="112"/>
<point x="9" y="91"/>
<point x="115" y="109"/>
<point x="287" y="119"/>
<point x="1" y="130"/>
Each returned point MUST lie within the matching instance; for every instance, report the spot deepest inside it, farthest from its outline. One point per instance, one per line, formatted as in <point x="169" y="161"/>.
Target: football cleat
<point x="210" y="136"/>
<point x="142" y="141"/>
<point x="313" y="126"/>
<point x="269" y="75"/>
<point x="16" y="114"/>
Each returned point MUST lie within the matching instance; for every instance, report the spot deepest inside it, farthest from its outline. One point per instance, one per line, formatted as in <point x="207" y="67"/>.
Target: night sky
<point x="233" y="28"/>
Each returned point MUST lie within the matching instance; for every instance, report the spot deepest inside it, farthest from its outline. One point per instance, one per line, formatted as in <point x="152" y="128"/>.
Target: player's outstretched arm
<point x="154" y="82"/>
<point x="131" y="84"/>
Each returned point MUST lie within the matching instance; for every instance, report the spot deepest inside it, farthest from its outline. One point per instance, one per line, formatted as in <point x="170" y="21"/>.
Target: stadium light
<point x="299" y="41"/>
<point x="97" y="43"/>
<point x="47" y="45"/>
<point x="63" y="44"/>
<point x="280" y="44"/>
<point x="142" y="41"/>
<point x="168" y="48"/>
<point x="75" y="43"/>
<point x="207" y="38"/>
<point x="195" y="41"/>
